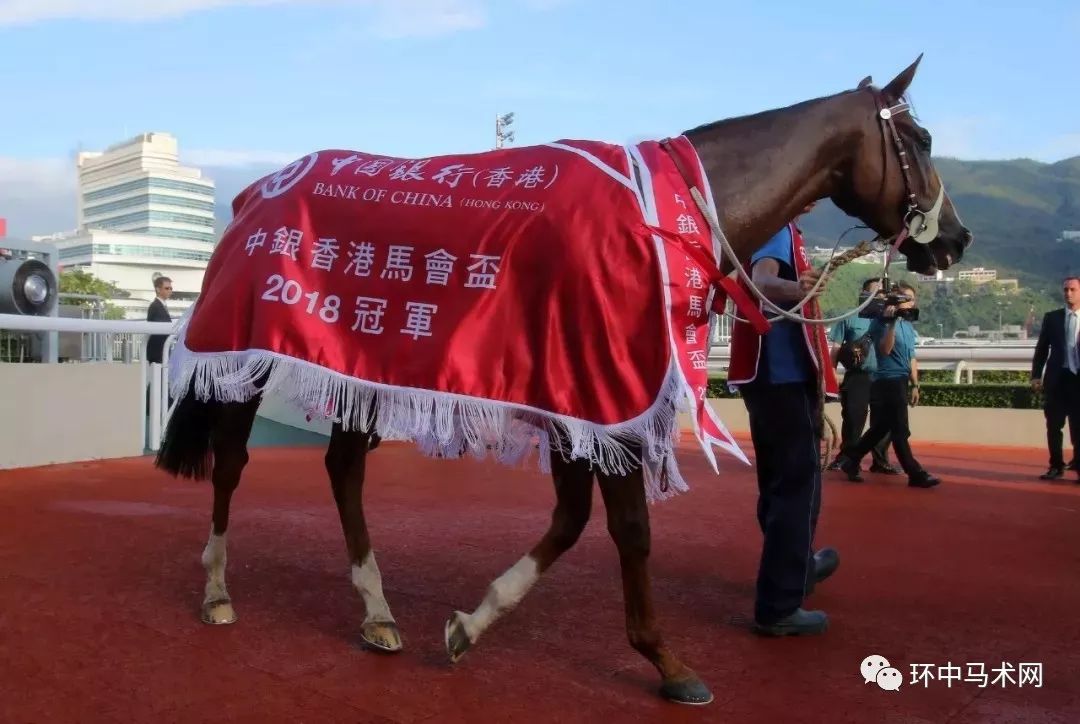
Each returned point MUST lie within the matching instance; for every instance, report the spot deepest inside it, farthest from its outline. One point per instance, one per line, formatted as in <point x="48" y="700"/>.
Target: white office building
<point x="139" y="186"/>
<point x="132" y="261"/>
<point x="140" y="215"/>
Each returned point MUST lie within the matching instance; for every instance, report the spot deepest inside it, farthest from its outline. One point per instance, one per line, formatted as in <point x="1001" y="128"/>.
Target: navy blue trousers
<point x="785" y="427"/>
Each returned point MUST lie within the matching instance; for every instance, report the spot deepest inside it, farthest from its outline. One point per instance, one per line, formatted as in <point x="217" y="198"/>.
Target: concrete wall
<point x="69" y="412"/>
<point x="72" y="412"/>
<point x="964" y="425"/>
<point x="286" y="414"/>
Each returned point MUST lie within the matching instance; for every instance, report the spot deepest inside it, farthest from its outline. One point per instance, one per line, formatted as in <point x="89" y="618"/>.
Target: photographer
<point x="853" y="348"/>
<point x="894" y="340"/>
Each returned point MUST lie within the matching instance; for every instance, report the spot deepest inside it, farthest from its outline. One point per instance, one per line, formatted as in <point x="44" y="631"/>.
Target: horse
<point x="861" y="148"/>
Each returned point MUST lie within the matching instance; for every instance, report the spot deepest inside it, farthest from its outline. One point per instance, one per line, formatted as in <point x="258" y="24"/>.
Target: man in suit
<point x="1057" y="354"/>
<point x="158" y="313"/>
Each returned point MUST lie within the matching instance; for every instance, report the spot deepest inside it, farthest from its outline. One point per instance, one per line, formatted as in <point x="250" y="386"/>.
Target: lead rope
<point x="816" y="319"/>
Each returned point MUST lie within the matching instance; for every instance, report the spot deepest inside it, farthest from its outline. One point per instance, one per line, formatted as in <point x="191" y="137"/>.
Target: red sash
<point x="746" y="341"/>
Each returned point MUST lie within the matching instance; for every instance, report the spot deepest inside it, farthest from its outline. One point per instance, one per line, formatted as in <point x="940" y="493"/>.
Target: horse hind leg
<point x="628" y="524"/>
<point x="345" y="463"/>
<point x="231" y="428"/>
<point x="573" y="490"/>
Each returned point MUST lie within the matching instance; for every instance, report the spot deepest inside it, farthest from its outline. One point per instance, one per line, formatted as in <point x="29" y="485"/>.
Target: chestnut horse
<point x="861" y="148"/>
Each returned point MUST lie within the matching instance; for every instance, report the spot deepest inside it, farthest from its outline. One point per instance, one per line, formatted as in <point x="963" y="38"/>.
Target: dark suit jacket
<point x="1050" y="349"/>
<point x="155" y="348"/>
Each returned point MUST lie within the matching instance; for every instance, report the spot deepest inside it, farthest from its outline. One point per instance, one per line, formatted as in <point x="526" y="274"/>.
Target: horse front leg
<point x="346" y="459"/>
<point x="628" y="524"/>
<point x="573" y="491"/>
<point x="229" y="440"/>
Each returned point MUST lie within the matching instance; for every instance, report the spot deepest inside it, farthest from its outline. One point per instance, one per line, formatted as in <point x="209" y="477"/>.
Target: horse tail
<point x="187" y="445"/>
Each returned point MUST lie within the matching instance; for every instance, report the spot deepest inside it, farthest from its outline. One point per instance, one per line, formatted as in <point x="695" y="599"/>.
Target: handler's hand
<point x="914" y="396"/>
<point x="807" y="280"/>
<point x="1037" y="385"/>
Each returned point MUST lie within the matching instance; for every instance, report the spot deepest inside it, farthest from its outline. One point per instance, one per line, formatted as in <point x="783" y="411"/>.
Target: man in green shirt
<point x="855" y="388"/>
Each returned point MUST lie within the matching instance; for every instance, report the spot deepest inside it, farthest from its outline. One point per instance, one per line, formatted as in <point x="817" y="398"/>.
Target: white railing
<point x="154" y="410"/>
<point x="962" y="359"/>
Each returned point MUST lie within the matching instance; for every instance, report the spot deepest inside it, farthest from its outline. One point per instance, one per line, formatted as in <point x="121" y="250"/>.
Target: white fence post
<point x="155" y="406"/>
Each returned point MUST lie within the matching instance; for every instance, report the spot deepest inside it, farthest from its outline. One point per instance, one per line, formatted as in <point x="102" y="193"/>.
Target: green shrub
<point x="1012" y="395"/>
<point x="1015" y="396"/>
<point x="980" y="376"/>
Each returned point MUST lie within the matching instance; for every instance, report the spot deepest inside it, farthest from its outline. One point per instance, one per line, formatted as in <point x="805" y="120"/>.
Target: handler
<point x="777" y="376"/>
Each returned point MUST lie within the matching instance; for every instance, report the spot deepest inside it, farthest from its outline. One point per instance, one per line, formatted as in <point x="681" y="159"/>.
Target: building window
<point x="145" y="217"/>
<point x="143" y="250"/>
<point x="148" y="199"/>
<point x="145" y="184"/>
<point x="173" y="233"/>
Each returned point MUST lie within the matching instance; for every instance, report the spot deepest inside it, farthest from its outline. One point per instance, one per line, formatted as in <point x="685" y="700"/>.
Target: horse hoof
<point x="217" y="613"/>
<point x="382" y="636"/>
<point x="689" y="691"/>
<point x="457" y="640"/>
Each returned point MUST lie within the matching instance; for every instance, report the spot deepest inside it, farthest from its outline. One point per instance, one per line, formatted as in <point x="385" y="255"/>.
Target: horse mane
<point x="725" y="122"/>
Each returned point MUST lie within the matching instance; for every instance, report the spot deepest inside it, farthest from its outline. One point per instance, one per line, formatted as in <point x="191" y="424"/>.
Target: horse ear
<point x="899" y="85"/>
<point x="865" y="82"/>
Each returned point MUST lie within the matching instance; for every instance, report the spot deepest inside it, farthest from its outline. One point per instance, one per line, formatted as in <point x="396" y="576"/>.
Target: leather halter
<point x="921" y="226"/>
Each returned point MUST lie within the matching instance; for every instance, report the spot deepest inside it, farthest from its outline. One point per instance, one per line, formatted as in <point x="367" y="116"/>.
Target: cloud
<point x="957" y="136"/>
<point x="38" y="195"/>
<point x="1058" y="148"/>
<point x="544" y="4"/>
<point x="16" y="12"/>
<point x="232" y="158"/>
<point x="425" y="18"/>
<point x="391" y="19"/>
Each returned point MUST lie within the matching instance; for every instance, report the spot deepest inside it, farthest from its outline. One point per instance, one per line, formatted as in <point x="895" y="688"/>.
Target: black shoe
<point x="1053" y="473"/>
<point x="799" y="623"/>
<point x="834" y="465"/>
<point x="825" y="563"/>
<point x="923" y="480"/>
<point x="1073" y="465"/>
<point x="851" y="469"/>
<point x="885" y="469"/>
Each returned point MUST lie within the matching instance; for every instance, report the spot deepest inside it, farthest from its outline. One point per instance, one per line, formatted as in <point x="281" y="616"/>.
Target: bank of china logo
<point x="288" y="177"/>
<point x="876" y="669"/>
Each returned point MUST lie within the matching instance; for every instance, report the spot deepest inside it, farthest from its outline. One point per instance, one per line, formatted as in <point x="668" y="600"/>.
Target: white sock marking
<point x="213" y="560"/>
<point x="368" y="583"/>
<point x="502" y="596"/>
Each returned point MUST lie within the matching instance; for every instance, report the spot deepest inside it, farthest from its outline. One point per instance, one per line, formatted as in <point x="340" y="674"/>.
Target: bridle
<point x="921" y="226"/>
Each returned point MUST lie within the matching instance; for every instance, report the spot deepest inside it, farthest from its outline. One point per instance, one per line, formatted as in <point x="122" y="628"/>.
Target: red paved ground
<point x="100" y="584"/>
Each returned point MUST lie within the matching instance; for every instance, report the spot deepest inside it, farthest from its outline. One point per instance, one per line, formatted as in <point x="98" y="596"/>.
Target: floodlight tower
<point x="502" y="134"/>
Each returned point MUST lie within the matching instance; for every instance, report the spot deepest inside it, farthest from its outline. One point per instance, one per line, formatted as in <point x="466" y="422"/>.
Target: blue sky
<point x="266" y="80"/>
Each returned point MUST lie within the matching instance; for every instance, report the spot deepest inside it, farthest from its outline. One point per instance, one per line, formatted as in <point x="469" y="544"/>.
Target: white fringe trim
<point x="443" y="424"/>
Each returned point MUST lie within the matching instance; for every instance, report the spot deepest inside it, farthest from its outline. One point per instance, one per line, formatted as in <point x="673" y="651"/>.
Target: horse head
<point x="892" y="185"/>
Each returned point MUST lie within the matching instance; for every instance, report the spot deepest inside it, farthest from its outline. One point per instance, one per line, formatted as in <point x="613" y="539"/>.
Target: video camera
<point x="893" y="298"/>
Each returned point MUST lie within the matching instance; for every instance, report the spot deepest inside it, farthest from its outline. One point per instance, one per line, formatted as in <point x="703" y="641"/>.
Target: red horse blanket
<point x="473" y="301"/>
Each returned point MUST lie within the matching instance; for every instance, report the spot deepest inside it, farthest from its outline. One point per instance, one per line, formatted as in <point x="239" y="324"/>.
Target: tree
<point x="80" y="281"/>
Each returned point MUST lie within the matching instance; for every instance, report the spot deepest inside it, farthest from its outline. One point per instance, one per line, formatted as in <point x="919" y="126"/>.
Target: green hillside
<point x="1016" y="209"/>
<point x="943" y="311"/>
